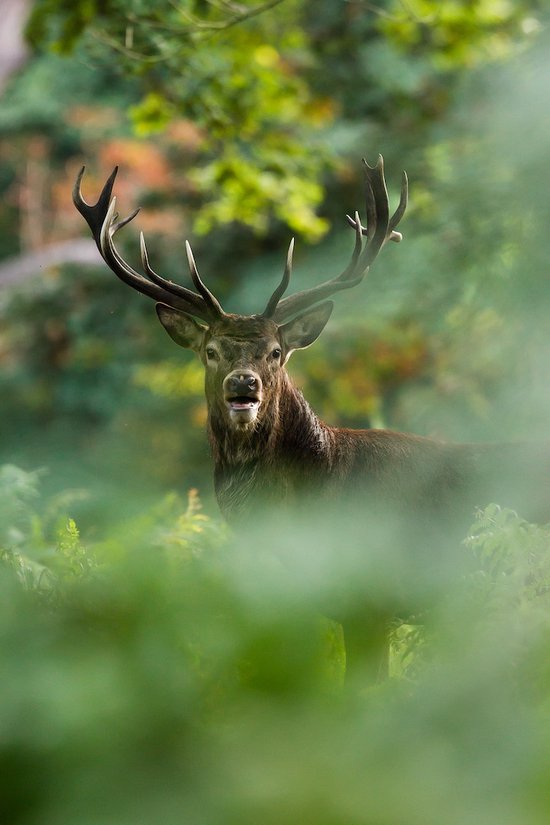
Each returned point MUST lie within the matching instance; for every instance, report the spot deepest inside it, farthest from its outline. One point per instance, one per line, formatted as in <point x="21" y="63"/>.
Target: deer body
<point x="268" y="445"/>
<point x="292" y="454"/>
<point x="290" y="458"/>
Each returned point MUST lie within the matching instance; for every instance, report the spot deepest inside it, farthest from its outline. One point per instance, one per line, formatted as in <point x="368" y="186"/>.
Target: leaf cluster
<point x="246" y="95"/>
<point x="42" y="545"/>
<point x="182" y="661"/>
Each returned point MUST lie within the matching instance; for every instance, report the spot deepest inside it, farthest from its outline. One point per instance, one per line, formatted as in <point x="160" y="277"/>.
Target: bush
<point x="177" y="675"/>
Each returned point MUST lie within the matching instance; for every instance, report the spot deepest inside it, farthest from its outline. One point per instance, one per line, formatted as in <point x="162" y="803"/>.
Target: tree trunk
<point x="13" y="49"/>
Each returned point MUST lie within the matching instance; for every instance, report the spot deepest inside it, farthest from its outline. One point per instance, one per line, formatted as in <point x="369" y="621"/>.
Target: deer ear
<point x="305" y="328"/>
<point x="181" y="327"/>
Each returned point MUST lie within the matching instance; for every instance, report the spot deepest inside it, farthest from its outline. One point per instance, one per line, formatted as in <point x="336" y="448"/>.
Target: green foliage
<point x="512" y="561"/>
<point x="266" y="82"/>
<point x="251" y="105"/>
<point x="17" y="491"/>
<point x="72" y="20"/>
<point x="170" y="381"/>
<point x="181" y="661"/>
<point x="459" y="33"/>
<point x="242" y="189"/>
<point x="506" y="589"/>
<point x="43" y="547"/>
<point x="150" y="115"/>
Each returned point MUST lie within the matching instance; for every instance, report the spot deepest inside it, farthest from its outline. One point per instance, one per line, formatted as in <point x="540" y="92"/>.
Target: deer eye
<point x="276" y="353"/>
<point x="211" y="354"/>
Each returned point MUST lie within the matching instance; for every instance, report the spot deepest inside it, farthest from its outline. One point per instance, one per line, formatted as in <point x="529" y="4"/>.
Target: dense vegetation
<point x="154" y="668"/>
<point x="174" y="673"/>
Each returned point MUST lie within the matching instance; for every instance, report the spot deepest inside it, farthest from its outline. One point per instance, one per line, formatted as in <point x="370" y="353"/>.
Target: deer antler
<point x="379" y="229"/>
<point x="102" y="218"/>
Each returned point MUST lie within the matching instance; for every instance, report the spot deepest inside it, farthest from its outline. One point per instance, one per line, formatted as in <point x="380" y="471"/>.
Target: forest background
<point x="154" y="669"/>
<point x="237" y="130"/>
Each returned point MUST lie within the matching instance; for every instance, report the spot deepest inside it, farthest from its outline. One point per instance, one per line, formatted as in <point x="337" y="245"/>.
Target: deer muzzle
<point x="243" y="395"/>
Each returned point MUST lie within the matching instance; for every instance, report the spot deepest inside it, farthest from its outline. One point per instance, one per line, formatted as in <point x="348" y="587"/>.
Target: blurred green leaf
<point x="191" y="662"/>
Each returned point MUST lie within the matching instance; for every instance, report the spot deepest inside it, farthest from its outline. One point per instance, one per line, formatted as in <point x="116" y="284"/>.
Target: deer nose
<point x="241" y="382"/>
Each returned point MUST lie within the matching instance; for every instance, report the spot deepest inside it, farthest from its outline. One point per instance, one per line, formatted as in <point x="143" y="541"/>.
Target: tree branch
<point x="17" y="270"/>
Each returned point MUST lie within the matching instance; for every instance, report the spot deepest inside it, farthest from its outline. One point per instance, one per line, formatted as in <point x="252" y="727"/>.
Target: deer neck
<point x="285" y="451"/>
<point x="287" y="429"/>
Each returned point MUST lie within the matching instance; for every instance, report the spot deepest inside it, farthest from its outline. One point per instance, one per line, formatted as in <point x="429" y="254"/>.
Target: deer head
<point x="244" y="355"/>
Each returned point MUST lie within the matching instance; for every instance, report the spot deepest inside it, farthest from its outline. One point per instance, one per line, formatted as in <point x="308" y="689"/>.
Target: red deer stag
<point x="267" y="443"/>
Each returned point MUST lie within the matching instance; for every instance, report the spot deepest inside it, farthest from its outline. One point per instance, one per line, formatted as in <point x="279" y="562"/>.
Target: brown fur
<point x="288" y="454"/>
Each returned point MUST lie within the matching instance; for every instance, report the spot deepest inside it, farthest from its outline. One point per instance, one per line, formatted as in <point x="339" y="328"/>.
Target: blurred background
<point x="148" y="672"/>
<point x="238" y="129"/>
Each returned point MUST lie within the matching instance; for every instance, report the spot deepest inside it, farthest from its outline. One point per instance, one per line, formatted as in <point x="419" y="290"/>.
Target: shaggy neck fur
<point x="270" y="457"/>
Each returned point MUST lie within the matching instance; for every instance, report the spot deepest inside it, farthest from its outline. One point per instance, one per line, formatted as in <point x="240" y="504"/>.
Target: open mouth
<point x="243" y="409"/>
<point x="242" y="402"/>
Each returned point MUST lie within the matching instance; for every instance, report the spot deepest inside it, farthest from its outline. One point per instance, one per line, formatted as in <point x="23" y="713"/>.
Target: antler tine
<point x="392" y="235"/>
<point x="281" y="289"/>
<point x="170" y="286"/>
<point x="94" y="215"/>
<point x="379" y="205"/>
<point x="370" y="199"/>
<point x="161" y="290"/>
<point x="380" y="228"/>
<point x="400" y="211"/>
<point x="101" y="217"/>
<point x="359" y="232"/>
<point x="375" y="195"/>
<point x="209" y="299"/>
